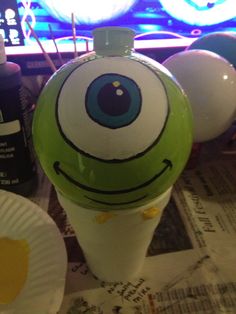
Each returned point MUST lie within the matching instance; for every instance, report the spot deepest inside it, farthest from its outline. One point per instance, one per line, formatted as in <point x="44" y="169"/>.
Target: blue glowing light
<point x="200" y="12"/>
<point x="157" y="23"/>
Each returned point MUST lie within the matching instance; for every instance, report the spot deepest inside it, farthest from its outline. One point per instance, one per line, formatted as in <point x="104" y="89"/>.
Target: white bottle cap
<point x="113" y="40"/>
<point x="3" y="57"/>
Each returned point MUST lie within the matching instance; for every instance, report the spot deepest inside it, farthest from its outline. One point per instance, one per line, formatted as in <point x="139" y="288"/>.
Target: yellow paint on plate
<point x="14" y="263"/>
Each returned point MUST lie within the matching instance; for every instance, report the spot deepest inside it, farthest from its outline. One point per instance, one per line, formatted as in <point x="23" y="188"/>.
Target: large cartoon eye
<point x="112" y="108"/>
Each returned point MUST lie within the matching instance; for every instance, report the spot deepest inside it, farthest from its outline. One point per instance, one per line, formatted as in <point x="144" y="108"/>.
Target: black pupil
<point x="114" y="99"/>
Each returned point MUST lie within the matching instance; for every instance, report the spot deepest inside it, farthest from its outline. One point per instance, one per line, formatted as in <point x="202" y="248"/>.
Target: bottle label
<point x="16" y="162"/>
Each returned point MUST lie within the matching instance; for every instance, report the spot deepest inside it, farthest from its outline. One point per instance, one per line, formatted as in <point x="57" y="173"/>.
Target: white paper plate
<point x="44" y="287"/>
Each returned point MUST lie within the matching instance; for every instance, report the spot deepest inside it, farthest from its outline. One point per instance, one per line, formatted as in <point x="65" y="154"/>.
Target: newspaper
<point x="41" y="190"/>
<point x="207" y="198"/>
<point x="192" y="281"/>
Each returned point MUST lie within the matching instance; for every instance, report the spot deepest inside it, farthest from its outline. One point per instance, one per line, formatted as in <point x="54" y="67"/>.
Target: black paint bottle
<point x="17" y="167"/>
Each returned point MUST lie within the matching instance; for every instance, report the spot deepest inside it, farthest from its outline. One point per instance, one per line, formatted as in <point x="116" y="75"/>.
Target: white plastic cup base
<point x="115" y="243"/>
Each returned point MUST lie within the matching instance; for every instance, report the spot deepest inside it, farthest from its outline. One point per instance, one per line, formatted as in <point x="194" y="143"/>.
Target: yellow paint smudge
<point x="116" y="83"/>
<point x="14" y="263"/>
<point x="104" y="217"/>
<point x="150" y="213"/>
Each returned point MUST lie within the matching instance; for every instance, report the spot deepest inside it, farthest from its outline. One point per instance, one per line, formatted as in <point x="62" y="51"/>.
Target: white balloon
<point x="87" y="11"/>
<point x="210" y="84"/>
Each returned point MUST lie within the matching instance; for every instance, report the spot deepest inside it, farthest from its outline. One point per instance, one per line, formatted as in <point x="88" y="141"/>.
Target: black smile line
<point x="119" y="203"/>
<point x="56" y="165"/>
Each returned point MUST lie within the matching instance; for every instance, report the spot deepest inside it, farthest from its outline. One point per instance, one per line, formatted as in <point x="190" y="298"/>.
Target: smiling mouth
<point x="119" y="203"/>
<point x="60" y="171"/>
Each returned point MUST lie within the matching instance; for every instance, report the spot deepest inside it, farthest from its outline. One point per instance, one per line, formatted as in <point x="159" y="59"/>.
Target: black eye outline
<point x="82" y="152"/>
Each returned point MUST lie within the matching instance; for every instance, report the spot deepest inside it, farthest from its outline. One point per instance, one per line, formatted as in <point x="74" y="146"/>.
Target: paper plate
<point x="44" y="287"/>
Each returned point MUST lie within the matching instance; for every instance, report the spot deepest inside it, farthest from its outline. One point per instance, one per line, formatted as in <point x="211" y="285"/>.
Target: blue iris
<point x="113" y="100"/>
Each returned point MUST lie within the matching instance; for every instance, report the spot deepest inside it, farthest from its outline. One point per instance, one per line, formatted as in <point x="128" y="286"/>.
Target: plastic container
<point x="17" y="167"/>
<point x="115" y="244"/>
<point x="113" y="116"/>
